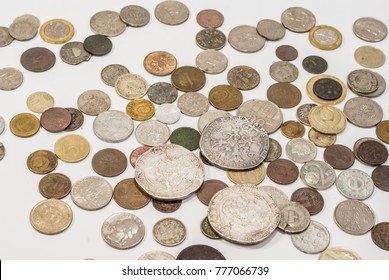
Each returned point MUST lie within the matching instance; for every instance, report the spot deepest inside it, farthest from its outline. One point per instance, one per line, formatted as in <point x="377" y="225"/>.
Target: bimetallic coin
<point x="57" y="31"/>
<point x="98" y="45"/>
<point x="24" y="27"/>
<point x="292" y="129"/>
<point x="200" y="252"/>
<point x="74" y="53"/>
<point x="156" y="255"/>
<point x="327" y="89"/>
<point x="109" y="162"/>
<point x="77" y="119"/>
<point x="315" y="239"/>
<point x="302" y="113"/>
<point x="379" y="235"/>
<point x="42" y="162"/>
<point x="339" y="156"/>
<point x="193" y="104"/>
<point x="362" y="81"/>
<point x="286" y="53"/>
<point x="370" y="29"/>
<point x="298" y="19"/>
<point x="325" y="37"/>
<point x="294" y="217"/>
<point x="112" y="72"/>
<point x="113" y="126"/>
<point x="282" y="171"/>
<point x="5" y="37"/>
<point x="327" y="119"/>
<point x="136" y="153"/>
<point x="363" y="112"/>
<point x="210" y="116"/>
<point x="369" y="57"/>
<point x="276" y="194"/>
<point x="321" y="139"/>
<point x="71" y="148"/>
<point x="252" y="177"/>
<point x="129" y="195"/>
<point x="107" y="23"/>
<point x="208" y="189"/>
<point x="284" y="95"/>
<point x="160" y="63"/>
<point x="210" y="18"/>
<point x="169" y="232"/>
<point x="37" y="59"/>
<point x="167" y="113"/>
<point x="317" y="174"/>
<point x="166" y="206"/>
<point x="225" y="97"/>
<point x="188" y="78"/>
<point x="140" y="109"/>
<point x="310" y="198"/>
<point x="186" y="137"/>
<point x="55" y="185"/>
<point x="283" y="72"/>
<point x="161" y="93"/>
<point x="10" y="78"/>
<point x="382" y="131"/>
<point x="55" y="119"/>
<point x="315" y="64"/>
<point x="152" y="133"/>
<point x="243" y="77"/>
<point x="207" y="230"/>
<point x="380" y="176"/>
<point x="24" y="125"/>
<point x="93" y="102"/>
<point x="211" y="61"/>
<point x="131" y="86"/>
<point x="300" y="150"/>
<point x="339" y="253"/>
<point x="134" y="15"/>
<point x="171" y="12"/>
<point x="275" y="150"/>
<point x="355" y="184"/>
<point x="271" y="29"/>
<point x="40" y="101"/>
<point x="210" y="39"/>
<point x="245" y="38"/>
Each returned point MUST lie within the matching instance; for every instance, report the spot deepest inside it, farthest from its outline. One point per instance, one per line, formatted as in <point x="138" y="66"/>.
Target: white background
<point x="19" y="187"/>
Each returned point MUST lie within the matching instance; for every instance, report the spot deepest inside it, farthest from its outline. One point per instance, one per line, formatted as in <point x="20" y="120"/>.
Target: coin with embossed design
<point x="55" y="185"/>
<point x="97" y="44"/>
<point x="74" y="53"/>
<point x="370" y="29"/>
<point x="298" y="19"/>
<point x="292" y="129"/>
<point x="282" y="171"/>
<point x="40" y="101"/>
<point x="243" y="77"/>
<point x="113" y="126"/>
<point x="5" y="37"/>
<point x="42" y="162"/>
<point x="211" y="61"/>
<point x="134" y="15"/>
<point x="252" y="176"/>
<point x="315" y="64"/>
<point x="326" y="89"/>
<point x="363" y="111"/>
<point x="71" y="148"/>
<point x="24" y="125"/>
<point x="162" y="93"/>
<point x="300" y="150"/>
<point x="110" y="73"/>
<point x="210" y="39"/>
<point x="140" y="109"/>
<point x="275" y="150"/>
<point x="188" y="78"/>
<point x="10" y="78"/>
<point x="129" y="195"/>
<point x="160" y="63"/>
<point x="76" y="121"/>
<point x="169" y="232"/>
<point x="325" y="37"/>
<point x="327" y="119"/>
<point x="372" y="152"/>
<point x="317" y="174"/>
<point x="225" y="97"/>
<point x="107" y="23"/>
<point x="379" y="234"/>
<point x="270" y="29"/>
<point x="285" y="95"/>
<point x="109" y="162"/>
<point x="57" y="31"/>
<point x="286" y="53"/>
<point x="152" y="133"/>
<point x="294" y="217"/>
<point x="93" y="102"/>
<point x="321" y="139"/>
<point x="24" y="27"/>
<point x="131" y="86"/>
<point x="193" y="104"/>
<point x="313" y="240"/>
<point x="207" y="230"/>
<point x="171" y="12"/>
<point x="245" y="38"/>
<point x="310" y="198"/>
<point x="363" y="81"/>
<point x="339" y="156"/>
<point x="302" y="113"/>
<point x="283" y="71"/>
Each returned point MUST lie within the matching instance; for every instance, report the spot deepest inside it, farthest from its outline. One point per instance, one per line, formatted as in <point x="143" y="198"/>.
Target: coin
<point x="275" y="150"/>
<point x="171" y="12"/>
<point x="5" y="37"/>
<point x="379" y="235"/>
<point x="283" y="72"/>
<point x="2" y="125"/>
<point x="210" y="116"/>
<point x="193" y="104"/>
<point x="300" y="150"/>
<point x="372" y="152"/>
<point x="98" y="45"/>
<point x="37" y="59"/>
<point x="313" y="240"/>
<point x="210" y="18"/>
<point x="208" y="189"/>
<point x="113" y="126"/>
<point x="10" y="78"/>
<point x="253" y="176"/>
<point x="167" y="113"/>
<point x="24" y="27"/>
<point x="284" y="95"/>
<point x="156" y="255"/>
<point x="370" y="29"/>
<point x="327" y="89"/>
<point x="339" y="253"/>
<point x="109" y="162"/>
<point x="276" y="194"/>
<point x="77" y="119"/>
<point x="107" y="23"/>
<point x="315" y="64"/>
<point x="93" y="102"/>
<point x="134" y="15"/>
<point x="24" y="125"/>
<point x="339" y="156"/>
<point x="282" y="171"/>
<point x="292" y="129"/>
<point x="161" y="93"/>
<point x="136" y="153"/>
<point x="317" y="174"/>
<point x="123" y="230"/>
<point x="211" y="61"/>
<point x="200" y="252"/>
<point x="169" y="232"/>
<point x="129" y="195"/>
<point x="270" y="29"/>
<point x="245" y="38"/>
<point x="55" y="185"/>
<point x="302" y="113"/>
<point x="325" y="93"/>
<point x="363" y="112"/>
<point x="2" y="151"/>
<point x="327" y="119"/>
<point x="166" y="206"/>
<point x="286" y="53"/>
<point x="42" y="162"/>
<point x="325" y="37"/>
<point x="140" y="109"/>
<point x="321" y="139"/>
<point x="243" y="77"/>
<point x="225" y="97"/>
<point x="40" y="101"/>
<point x="57" y="31"/>
<point x="74" y="53"/>
<point x="210" y="39"/>
<point x="51" y="216"/>
<point x="207" y="230"/>
<point x="152" y="133"/>
<point x="355" y="184"/>
<point x="380" y="176"/>
<point x="112" y="72"/>
<point x="186" y="137"/>
<point x="298" y="19"/>
<point x="55" y="119"/>
<point x="131" y="86"/>
<point x="188" y="78"/>
<point x="362" y="81"/>
<point x="382" y="131"/>
<point x="357" y="145"/>
<point x="160" y="63"/>
<point x="294" y="217"/>
<point x="311" y="199"/>
<point x="71" y="148"/>
<point x="369" y="57"/>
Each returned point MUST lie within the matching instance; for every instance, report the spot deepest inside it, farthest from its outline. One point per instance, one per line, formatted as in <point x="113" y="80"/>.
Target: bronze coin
<point x="339" y="156"/>
<point x="225" y="97"/>
<point x="109" y="162"/>
<point x="208" y="190"/>
<point x="282" y="171"/>
<point x="200" y="252"/>
<point x="275" y="150"/>
<point x="310" y="199"/>
<point x="77" y="119"/>
<point x="284" y="95"/>
<point x="292" y="129"/>
<point x="380" y="234"/>
<point x="55" y="185"/>
<point x="136" y="153"/>
<point x="188" y="78"/>
<point x="166" y="206"/>
<point x="286" y="53"/>
<point x="186" y="137"/>
<point x="380" y="177"/>
<point x="37" y="59"/>
<point x="210" y="18"/>
<point x="382" y="131"/>
<point x="98" y="45"/>
<point x="327" y="89"/>
<point x="129" y="195"/>
<point x="55" y="119"/>
<point x="315" y="64"/>
<point x="42" y="162"/>
<point x="243" y="77"/>
<point x="372" y="152"/>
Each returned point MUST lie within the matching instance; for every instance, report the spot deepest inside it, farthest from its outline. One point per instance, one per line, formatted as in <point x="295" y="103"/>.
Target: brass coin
<point x="253" y="176"/>
<point x="225" y="97"/>
<point x="284" y="95"/>
<point x="382" y="131"/>
<point x="40" y="101"/>
<point x="160" y="63"/>
<point x="42" y="162"/>
<point x="188" y="78"/>
<point x="128" y="195"/>
<point x="327" y="119"/>
<point x="315" y="98"/>
<point x="57" y="31"/>
<point x="140" y="109"/>
<point x="207" y="229"/>
<point x="321" y="139"/>
<point x="369" y="57"/>
<point x="55" y="185"/>
<point x="325" y="37"/>
<point x="292" y="129"/>
<point x="109" y="162"/>
<point x="72" y="148"/>
<point x="166" y="206"/>
<point x="24" y="125"/>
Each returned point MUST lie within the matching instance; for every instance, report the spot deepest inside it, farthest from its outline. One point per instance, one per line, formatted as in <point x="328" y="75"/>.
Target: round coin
<point x="152" y="133"/>
<point x="77" y="119"/>
<point x="42" y="162"/>
<point x="363" y="112"/>
<point x="186" y="137"/>
<point x="313" y="240"/>
<point x="37" y="59"/>
<point x="325" y="37"/>
<point x="5" y="37"/>
<point x="355" y="184"/>
<point x="300" y="150"/>
<point x="156" y="255"/>
<point x="283" y="72"/>
<point x="362" y="81"/>
<point x="171" y="12"/>
<point x="208" y="189"/>
<point x="327" y="89"/>
<point x="298" y="19"/>
<point x="161" y="93"/>
<point x="160" y="63"/>
<point x="107" y="23"/>
<point x="55" y="119"/>
<point x="207" y="230"/>
<point x="24" y="125"/>
<point x="10" y="78"/>
<point x="98" y="45"/>
<point x="379" y="235"/>
<point x="369" y="57"/>
<point x="339" y="156"/>
<point x="284" y="95"/>
<point x="109" y="162"/>
<point x="311" y="199"/>
<point x="166" y="206"/>
<point x="327" y="119"/>
<point x="271" y="29"/>
<point x="210" y="39"/>
<point x="370" y="29"/>
<point x="282" y="171"/>
<point x="225" y="97"/>
<point x="140" y="109"/>
<point x="382" y="131"/>
<point x="188" y="78"/>
<point x="253" y="176"/>
<point x="131" y="86"/>
<point x="167" y="113"/>
<point x="200" y="252"/>
<point x="292" y="129"/>
<point x="315" y="64"/>
<point x="193" y="104"/>
<point x="134" y="15"/>
<point x="339" y="253"/>
<point x="317" y="174"/>
<point x="169" y="232"/>
<point x="71" y="148"/>
<point x="294" y="217"/>
<point x="74" y="53"/>
<point x="93" y="102"/>
<point x="321" y="139"/>
<point x="286" y="53"/>
<point x="302" y="113"/>
<point x="112" y="72"/>
<point x="136" y="153"/>
<point x="40" y="101"/>
<point x="211" y="61"/>
<point x="275" y="150"/>
<point x="209" y="18"/>
<point x="372" y="152"/>
<point x="380" y="176"/>
<point x="113" y="126"/>
<point x="57" y="31"/>
<point x="128" y="195"/>
<point x="55" y="185"/>
<point x="243" y="77"/>
<point x="245" y="38"/>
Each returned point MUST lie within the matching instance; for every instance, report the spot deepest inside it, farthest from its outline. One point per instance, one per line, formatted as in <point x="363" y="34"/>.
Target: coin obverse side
<point x="355" y="184"/>
<point x="298" y="19"/>
<point x="294" y="217"/>
<point x="169" y="232"/>
<point x="42" y="162"/>
<point x="171" y="12"/>
<point x="363" y="112"/>
<point x="93" y="102"/>
<point x="300" y="150"/>
<point x="24" y="125"/>
<point x="156" y="255"/>
<point x="370" y="29"/>
<point x="315" y="239"/>
<point x="243" y="77"/>
<point x="110" y="73"/>
<point x="152" y="133"/>
<point x="72" y="148"/>
<point x="317" y="174"/>
<point x="107" y="23"/>
<point x="379" y="235"/>
<point x="245" y="38"/>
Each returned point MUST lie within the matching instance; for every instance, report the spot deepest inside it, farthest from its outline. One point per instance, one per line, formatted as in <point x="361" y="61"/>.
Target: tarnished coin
<point x="362" y="81"/>
<point x="156" y="255"/>
<point x="379" y="235"/>
<point x="283" y="72"/>
<point x="91" y="193"/>
<point x="77" y="119"/>
<point x="107" y="23"/>
<point x="166" y="206"/>
<point x="169" y="232"/>
<point x="382" y="131"/>
<point x="24" y="125"/>
<point x="134" y="15"/>
<point x="109" y="162"/>
<point x="284" y="95"/>
<point x="339" y="156"/>
<point x="2" y="151"/>
<point x="152" y="133"/>
<point x="292" y="129"/>
<point x="327" y="119"/>
<point x="310" y="198"/>
<point x="372" y="152"/>
<point x="276" y="194"/>
<point x="321" y="139"/>
<point x="136" y="153"/>
<point x="370" y="29"/>
<point x="123" y="230"/>
<point x="294" y="217"/>
<point x="161" y="93"/>
<point x="327" y="89"/>
<point x="51" y="216"/>
<point x="300" y="150"/>
<point x="24" y="27"/>
<point x="245" y="38"/>
<point x="363" y="112"/>
<point x="355" y="184"/>
<point x="129" y="195"/>
<point x="72" y="148"/>
<point x="140" y="109"/>
<point x="112" y="72"/>
<point x="55" y="119"/>
<point x="208" y="189"/>
<point x="298" y="19"/>
<point x="171" y="12"/>
<point x="253" y="214"/>
<point x="5" y="37"/>
<point x="315" y="239"/>
<point x="325" y="37"/>
<point x="113" y="126"/>
<point x="55" y="185"/>
<point x="302" y="113"/>
<point x="188" y="78"/>
<point x="315" y="64"/>
<point x="210" y="116"/>
<point x="225" y="97"/>
<point x="357" y="145"/>
<point x="282" y="171"/>
<point x="275" y="150"/>
<point x="98" y="45"/>
<point x="207" y="230"/>
<point x="210" y="39"/>
<point x="74" y="53"/>
<point x="2" y="125"/>
<point x="380" y="176"/>
<point x="10" y="78"/>
<point x="193" y="104"/>
<point x="210" y="18"/>
<point x="186" y="137"/>
<point x="270" y="29"/>
<point x="317" y="174"/>
<point x="42" y="162"/>
<point x="369" y="57"/>
<point x="339" y="253"/>
<point x="200" y="252"/>
<point x="160" y="63"/>
<point x="40" y="101"/>
<point x="354" y="217"/>
<point x="57" y="31"/>
<point x="93" y="102"/>
<point x="211" y="61"/>
<point x="167" y="113"/>
<point x="243" y="77"/>
<point x="252" y="177"/>
<point x="131" y="86"/>
<point x="37" y="59"/>
<point x="286" y="53"/>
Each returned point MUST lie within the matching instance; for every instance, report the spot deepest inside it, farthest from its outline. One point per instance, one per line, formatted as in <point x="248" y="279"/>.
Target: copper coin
<point x="382" y="131"/>
<point x="282" y="171"/>
<point x="327" y="89"/>
<point x="292" y="129"/>
<point x="55" y="119"/>
<point x="379" y="234"/>
<point x="109" y="162"/>
<point x="37" y="59"/>
<point x="372" y="152"/>
<point x="200" y="252"/>
<point x="210" y="18"/>
<point x="188" y="78"/>
<point x="208" y="190"/>
<point x="339" y="156"/>
<point x="129" y="195"/>
<point x="136" y="153"/>
<point x="42" y="162"/>
<point x="284" y="95"/>
<point x="225" y="97"/>
<point x="77" y="119"/>
<point x="243" y="77"/>
<point x="55" y="185"/>
<point x="160" y="63"/>
<point x="380" y="177"/>
<point x="98" y="45"/>
<point x="275" y="150"/>
<point x="166" y="206"/>
<point x="286" y="53"/>
<point x="310" y="199"/>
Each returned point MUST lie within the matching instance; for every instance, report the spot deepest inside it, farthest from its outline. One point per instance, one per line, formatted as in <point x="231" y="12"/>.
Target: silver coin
<point x="123" y="230"/>
<point x="302" y="113"/>
<point x="152" y="133"/>
<point x="5" y="38"/>
<point x="362" y="81"/>
<point x="167" y="113"/>
<point x="131" y="86"/>
<point x="270" y="29"/>
<point x="171" y="12"/>
<point x="193" y="104"/>
<point x="210" y="38"/>
<point x="234" y="143"/>
<point x="112" y="72"/>
<point x="169" y="232"/>
<point x="380" y="90"/>
<point x="210" y="116"/>
<point x="73" y="53"/>
<point x="2" y="151"/>
<point x="211" y="61"/>
<point x="283" y="72"/>
<point x="317" y="174"/>
<point x="91" y="193"/>
<point x="315" y="239"/>
<point x="298" y="19"/>
<point x="363" y="112"/>
<point x="134" y="15"/>
<point x="264" y="112"/>
<point x="243" y="214"/>
<point x="156" y="255"/>
<point x="24" y="27"/>
<point x="107" y="23"/>
<point x="2" y="124"/>
<point x="169" y="172"/>
<point x="93" y="102"/>
<point x="10" y="78"/>
<point x="354" y="217"/>
<point x="245" y="38"/>
<point x="276" y="194"/>
<point x="275" y="150"/>
<point x="113" y="126"/>
<point x="326" y="37"/>
<point x="355" y="184"/>
<point x="370" y="29"/>
<point x="300" y="150"/>
<point x="162" y="92"/>
<point x="294" y="217"/>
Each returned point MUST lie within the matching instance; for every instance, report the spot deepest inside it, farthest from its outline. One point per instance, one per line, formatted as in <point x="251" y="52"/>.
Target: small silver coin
<point x="107" y="23"/>
<point x="113" y="126"/>
<point x="245" y="38"/>
<point x="5" y="38"/>
<point x="355" y="184"/>
<point x="276" y="194"/>
<point x="134" y="15"/>
<point x="318" y="174"/>
<point x="211" y="61"/>
<point x="363" y="112"/>
<point x="275" y="150"/>
<point x="300" y="150"/>
<point x="298" y="19"/>
<point x="131" y="86"/>
<point x="2" y="124"/>
<point x="294" y="218"/>
<point x="167" y="113"/>
<point x="73" y="53"/>
<point x="162" y="92"/>
<point x="156" y="255"/>
<point x="302" y="113"/>
<point x="271" y="30"/>
<point x="211" y="39"/>
<point x="152" y="133"/>
<point x="283" y="72"/>
<point x="193" y="104"/>
<point x="112" y="72"/>
<point x="315" y="239"/>
<point x="210" y="116"/>
<point x="362" y="81"/>
<point x="10" y="78"/>
<point x="24" y="27"/>
<point x="169" y="232"/>
<point x="370" y="29"/>
<point x="2" y="151"/>
<point x="93" y="102"/>
<point x="171" y="12"/>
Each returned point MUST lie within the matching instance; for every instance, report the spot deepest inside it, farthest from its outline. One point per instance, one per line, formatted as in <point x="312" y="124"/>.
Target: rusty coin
<point x="310" y="199"/>
<point x="109" y="162"/>
<point x="56" y="119"/>
<point x="200" y="252"/>
<point x="77" y="119"/>
<point x="292" y="129"/>
<point x="379" y="234"/>
<point x="382" y="131"/>
<point x="282" y="171"/>
<point x="55" y="185"/>
<point x="208" y="190"/>
<point x="166" y="206"/>
<point x="327" y="89"/>
<point x="339" y="156"/>
<point x="380" y="177"/>
<point x="37" y="59"/>
<point x="286" y="53"/>
<point x="128" y="195"/>
<point x="225" y="97"/>
<point x="136" y="153"/>
<point x="372" y="152"/>
<point x="243" y="77"/>
<point x="42" y="162"/>
<point x="284" y="95"/>
<point x="210" y="18"/>
<point x="188" y="78"/>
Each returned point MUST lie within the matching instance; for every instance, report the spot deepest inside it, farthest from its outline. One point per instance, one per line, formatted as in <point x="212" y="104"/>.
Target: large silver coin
<point x="318" y="174"/>
<point x="169" y="172"/>
<point x="298" y="19"/>
<point x="243" y="214"/>
<point x="370" y="29"/>
<point x="294" y="217"/>
<point x="315" y="239"/>
<point x="300" y="150"/>
<point x="234" y="143"/>
<point x="363" y="112"/>
<point x="245" y="38"/>
<point x="355" y="184"/>
<point x="113" y="126"/>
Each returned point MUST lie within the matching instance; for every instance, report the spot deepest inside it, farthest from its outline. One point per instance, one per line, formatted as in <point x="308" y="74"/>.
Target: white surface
<point x="19" y="187"/>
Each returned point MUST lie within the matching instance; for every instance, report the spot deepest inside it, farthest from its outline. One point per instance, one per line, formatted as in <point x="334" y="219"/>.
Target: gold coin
<point x="338" y="253"/>
<point x="225" y="97"/>
<point x="382" y="131"/>
<point x="188" y="78"/>
<point x="40" y="101"/>
<point x="140" y="109"/>
<point x="56" y="31"/>
<point x="253" y="176"/>
<point x="321" y="139"/>
<point x="292" y="129"/>
<point x="42" y="162"/>
<point x="327" y="119"/>
<point x="71" y="148"/>
<point x="207" y="229"/>
<point x="369" y="57"/>
<point x="316" y="99"/>
<point x="24" y="125"/>
<point x="51" y="216"/>
<point x="160" y="63"/>
<point x="325" y="37"/>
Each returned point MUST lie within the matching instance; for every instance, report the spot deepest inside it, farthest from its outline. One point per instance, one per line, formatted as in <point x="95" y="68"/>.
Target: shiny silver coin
<point x="113" y="126"/>
<point x="112" y="72"/>
<point x="152" y="133"/>
<point x="370" y="29"/>
<point x="211" y="61"/>
<point x="363" y="112"/>
<point x="298" y="19"/>
<point x="167" y="113"/>
<point x="318" y="174"/>
<point x="169" y="232"/>
<point x="300" y="150"/>
<point x="302" y="113"/>
<point x="315" y="239"/>
<point x="283" y="72"/>
<point x="362" y="81"/>
<point x="131" y="86"/>
<point x="135" y="16"/>
<point x="171" y="12"/>
<point x="355" y="184"/>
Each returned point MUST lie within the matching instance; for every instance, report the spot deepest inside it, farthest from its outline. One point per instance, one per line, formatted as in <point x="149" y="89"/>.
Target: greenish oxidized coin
<point x="186" y="137"/>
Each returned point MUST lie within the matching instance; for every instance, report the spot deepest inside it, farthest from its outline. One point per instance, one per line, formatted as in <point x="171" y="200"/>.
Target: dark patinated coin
<point x="380" y="177"/>
<point x="282" y="171"/>
<point x="208" y="190"/>
<point x="77" y="119"/>
<point x="303" y="111"/>
<point x="275" y="150"/>
<point x="211" y="38"/>
<point x="136" y="153"/>
<point x="188" y="78"/>
<point x="200" y="252"/>
<point x="310" y="199"/>
<point x="327" y="89"/>
<point x="37" y="59"/>
<point x="55" y="185"/>
<point x="315" y="64"/>
<point x="98" y="45"/>
<point x="166" y="206"/>
<point x="109" y="162"/>
<point x="372" y="152"/>
<point x="186" y="137"/>
<point x="161" y="93"/>
<point x="243" y="77"/>
<point x="339" y="156"/>
<point x="286" y="53"/>
<point x="379" y="234"/>
<point x="129" y="195"/>
<point x="42" y="162"/>
<point x="284" y="95"/>
<point x="55" y="119"/>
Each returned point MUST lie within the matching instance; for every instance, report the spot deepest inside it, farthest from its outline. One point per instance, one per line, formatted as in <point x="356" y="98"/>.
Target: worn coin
<point x="98" y="45"/>
<point x="109" y="162"/>
<point x="136" y="153"/>
<point x="77" y="119"/>
<point x="112" y="72"/>
<point x="327" y="89"/>
<point x="2" y="125"/>
<point x="152" y="133"/>
<point x="372" y="152"/>
<point x="245" y="38"/>
<point x="2" y="151"/>
<point x="252" y="176"/>
<point x="167" y="113"/>
<point x="275" y="150"/>
<point x="57" y="31"/>
<point x="292" y="129"/>
<point x="51" y="216"/>
<point x="10" y="78"/>
<point x="325" y="37"/>
<point x="113" y="126"/>
<point x="321" y="139"/>
<point x="225" y="97"/>
<point x="283" y="72"/>
<point x="302" y="113"/>
<point x="55" y="185"/>
<point x="282" y="171"/>
<point x="339" y="156"/>
<point x="37" y="59"/>
<point x="210" y="39"/>
<point x="5" y="37"/>
<point x="169" y="232"/>
<point x="327" y="119"/>
<point x="294" y="217"/>
<point x="276" y="194"/>
<point x="300" y="150"/>
<point x="156" y="255"/>
<point x="200" y="252"/>
<point x="134" y="15"/>
<point x="131" y="86"/>
<point x="140" y="109"/>
<point x="380" y="90"/>
<point x="286" y="53"/>
<point x="24" y="27"/>
<point x="40" y="101"/>
<point x="380" y="176"/>
<point x="193" y="104"/>
<point x="298" y="19"/>
<point x="166" y="206"/>
<point x="315" y="64"/>
<point x="160" y="63"/>
<point x="243" y="77"/>
<point x="55" y="119"/>
<point x="207" y="230"/>
<point x="72" y="148"/>
<point x="161" y="93"/>
<point x="24" y="125"/>
<point x="379" y="235"/>
<point x="211" y="61"/>
<point x="188" y="78"/>
<point x="210" y="116"/>
<point x="171" y="12"/>
<point x="74" y="53"/>
<point x="129" y="195"/>
<point x="186" y="137"/>
<point x="355" y="184"/>
<point x="270" y="29"/>
<point x="339" y="253"/>
<point x="313" y="240"/>
<point x="363" y="112"/>
<point x="210" y="18"/>
<point x="107" y="23"/>
<point x="370" y="29"/>
<point x="310" y="198"/>
<point x="317" y="174"/>
<point x="42" y="162"/>
<point x="382" y="131"/>
<point x="357" y="145"/>
<point x="284" y="95"/>
<point x="93" y="102"/>
<point x="208" y="189"/>
<point x="362" y="81"/>
<point x="369" y="57"/>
